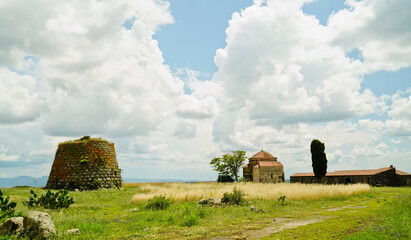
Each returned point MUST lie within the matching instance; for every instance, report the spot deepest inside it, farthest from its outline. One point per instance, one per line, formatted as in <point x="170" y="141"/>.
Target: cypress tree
<point x="319" y="159"/>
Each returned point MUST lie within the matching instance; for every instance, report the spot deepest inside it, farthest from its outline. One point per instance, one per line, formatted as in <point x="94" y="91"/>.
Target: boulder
<point x="217" y="201"/>
<point x="12" y="226"/>
<point x="203" y="202"/>
<point x="38" y="225"/>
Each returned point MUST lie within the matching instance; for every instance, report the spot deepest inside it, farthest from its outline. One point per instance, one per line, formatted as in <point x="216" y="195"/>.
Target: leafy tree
<point x="229" y="164"/>
<point x="319" y="159"/>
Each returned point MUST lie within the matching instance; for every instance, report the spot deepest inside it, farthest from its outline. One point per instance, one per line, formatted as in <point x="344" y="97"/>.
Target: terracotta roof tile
<point x="302" y="175"/>
<point x="268" y="164"/>
<point x="401" y="172"/>
<point x="351" y="173"/>
<point x="263" y="155"/>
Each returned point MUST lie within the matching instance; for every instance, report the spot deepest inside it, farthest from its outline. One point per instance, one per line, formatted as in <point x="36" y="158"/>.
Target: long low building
<point x="388" y="176"/>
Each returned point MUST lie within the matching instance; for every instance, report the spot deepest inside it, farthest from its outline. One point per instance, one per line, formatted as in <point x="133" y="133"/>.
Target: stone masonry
<point x="85" y="163"/>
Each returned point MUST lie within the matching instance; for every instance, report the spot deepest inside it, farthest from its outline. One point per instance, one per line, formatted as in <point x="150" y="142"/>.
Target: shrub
<point x="190" y="220"/>
<point x="281" y="200"/>
<point x="224" y="178"/>
<point x="236" y="197"/>
<point x="50" y="200"/>
<point x="158" y="203"/>
<point x="6" y="207"/>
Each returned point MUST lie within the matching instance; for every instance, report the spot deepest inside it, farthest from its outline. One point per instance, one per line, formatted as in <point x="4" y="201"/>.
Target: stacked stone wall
<point x="83" y="164"/>
<point x="268" y="174"/>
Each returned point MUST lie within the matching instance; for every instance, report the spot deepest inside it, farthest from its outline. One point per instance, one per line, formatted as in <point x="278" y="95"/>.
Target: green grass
<point x="380" y="213"/>
<point x="392" y="221"/>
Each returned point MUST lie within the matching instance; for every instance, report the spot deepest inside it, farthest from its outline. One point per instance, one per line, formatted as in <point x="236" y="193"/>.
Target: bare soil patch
<point x="279" y="224"/>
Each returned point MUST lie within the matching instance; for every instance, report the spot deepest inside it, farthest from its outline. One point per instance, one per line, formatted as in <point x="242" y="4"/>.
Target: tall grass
<point x="293" y="191"/>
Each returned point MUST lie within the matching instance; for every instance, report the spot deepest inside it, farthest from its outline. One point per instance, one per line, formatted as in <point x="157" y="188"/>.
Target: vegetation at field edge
<point x="111" y="214"/>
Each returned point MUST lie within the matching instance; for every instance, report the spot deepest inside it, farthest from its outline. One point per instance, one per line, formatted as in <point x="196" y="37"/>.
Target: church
<point x="263" y="167"/>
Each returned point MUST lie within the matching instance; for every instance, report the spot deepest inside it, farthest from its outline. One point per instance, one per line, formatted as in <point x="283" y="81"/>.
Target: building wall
<point x="87" y="164"/>
<point x="268" y="174"/>
<point x="248" y="171"/>
<point x="387" y="178"/>
<point x="256" y="174"/>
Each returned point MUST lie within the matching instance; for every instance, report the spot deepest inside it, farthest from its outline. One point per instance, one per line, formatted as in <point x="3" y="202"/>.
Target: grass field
<point x="256" y="191"/>
<point x="368" y="213"/>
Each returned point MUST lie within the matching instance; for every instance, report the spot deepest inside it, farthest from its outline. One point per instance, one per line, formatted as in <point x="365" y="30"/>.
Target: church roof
<point x="268" y="164"/>
<point x="263" y="155"/>
<point x="352" y="173"/>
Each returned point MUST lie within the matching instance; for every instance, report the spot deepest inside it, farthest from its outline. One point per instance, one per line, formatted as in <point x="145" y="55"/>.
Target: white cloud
<point x="379" y="29"/>
<point x="281" y="66"/>
<point x="185" y="130"/>
<point x="20" y="100"/>
<point x="193" y="108"/>
<point x="98" y="77"/>
<point x="399" y="123"/>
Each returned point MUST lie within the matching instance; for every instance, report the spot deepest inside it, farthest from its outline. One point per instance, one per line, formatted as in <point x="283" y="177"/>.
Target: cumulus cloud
<point x="98" y="76"/>
<point x="379" y="29"/>
<point x="399" y="123"/>
<point x="185" y="130"/>
<point x="281" y="66"/>
<point x="20" y="100"/>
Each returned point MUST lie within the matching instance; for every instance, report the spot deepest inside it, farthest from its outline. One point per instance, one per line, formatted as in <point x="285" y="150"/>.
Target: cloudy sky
<point x="175" y="83"/>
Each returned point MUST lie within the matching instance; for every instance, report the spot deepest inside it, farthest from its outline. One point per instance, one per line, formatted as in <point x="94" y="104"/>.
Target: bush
<point x="6" y="207"/>
<point x="158" y="203"/>
<point x="224" y="178"/>
<point x="50" y="200"/>
<point x="190" y="220"/>
<point x="281" y="200"/>
<point x="236" y="197"/>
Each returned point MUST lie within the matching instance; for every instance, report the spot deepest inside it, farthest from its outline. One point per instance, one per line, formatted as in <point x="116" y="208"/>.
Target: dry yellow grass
<point x="292" y="191"/>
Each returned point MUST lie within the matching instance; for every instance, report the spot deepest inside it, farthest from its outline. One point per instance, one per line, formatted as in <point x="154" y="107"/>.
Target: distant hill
<point x="150" y="180"/>
<point x="23" y="181"/>
<point x="41" y="182"/>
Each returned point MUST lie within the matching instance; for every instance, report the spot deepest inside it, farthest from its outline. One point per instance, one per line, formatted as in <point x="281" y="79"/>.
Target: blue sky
<point x="177" y="83"/>
<point x="198" y="31"/>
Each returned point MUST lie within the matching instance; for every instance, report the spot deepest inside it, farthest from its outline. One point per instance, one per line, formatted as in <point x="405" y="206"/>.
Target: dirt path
<point x="280" y="224"/>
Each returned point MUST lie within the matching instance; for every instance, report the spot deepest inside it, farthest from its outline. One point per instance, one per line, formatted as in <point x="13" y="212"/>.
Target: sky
<point x="176" y="83"/>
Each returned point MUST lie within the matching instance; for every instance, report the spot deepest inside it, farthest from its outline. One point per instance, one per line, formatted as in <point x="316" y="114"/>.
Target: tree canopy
<point x="319" y="159"/>
<point x="229" y="164"/>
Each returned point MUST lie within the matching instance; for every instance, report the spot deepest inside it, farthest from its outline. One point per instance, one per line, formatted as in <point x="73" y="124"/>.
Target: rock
<point x="38" y="225"/>
<point x="203" y="202"/>
<point x="252" y="208"/>
<point x="12" y="226"/>
<point x="74" y="231"/>
<point x="132" y="210"/>
<point x="217" y="201"/>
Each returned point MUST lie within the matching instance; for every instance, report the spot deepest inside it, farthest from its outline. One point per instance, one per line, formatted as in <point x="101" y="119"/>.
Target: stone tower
<point x="85" y="163"/>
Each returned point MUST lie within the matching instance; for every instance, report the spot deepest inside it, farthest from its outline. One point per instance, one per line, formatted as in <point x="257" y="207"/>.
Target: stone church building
<point x="263" y="167"/>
